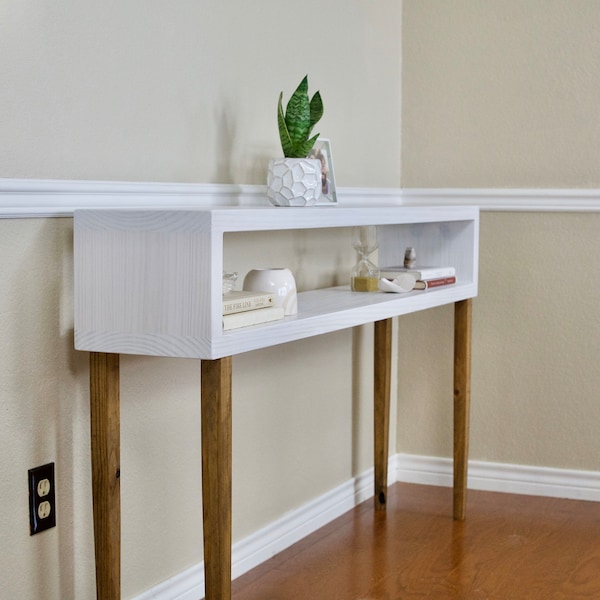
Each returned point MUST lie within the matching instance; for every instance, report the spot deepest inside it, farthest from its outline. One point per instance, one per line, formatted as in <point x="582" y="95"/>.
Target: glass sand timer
<point x="365" y="275"/>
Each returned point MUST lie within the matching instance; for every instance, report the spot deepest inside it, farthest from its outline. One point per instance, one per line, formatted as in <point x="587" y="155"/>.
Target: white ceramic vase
<point x="294" y="181"/>
<point x="278" y="281"/>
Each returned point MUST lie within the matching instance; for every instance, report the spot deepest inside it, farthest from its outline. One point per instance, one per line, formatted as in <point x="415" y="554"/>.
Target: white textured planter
<point x="294" y="181"/>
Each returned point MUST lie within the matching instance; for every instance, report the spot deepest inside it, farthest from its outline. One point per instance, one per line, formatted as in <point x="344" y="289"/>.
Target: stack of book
<point x="427" y="277"/>
<point x="241" y="309"/>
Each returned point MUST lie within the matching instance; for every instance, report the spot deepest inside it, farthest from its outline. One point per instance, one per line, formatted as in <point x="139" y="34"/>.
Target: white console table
<point x="149" y="282"/>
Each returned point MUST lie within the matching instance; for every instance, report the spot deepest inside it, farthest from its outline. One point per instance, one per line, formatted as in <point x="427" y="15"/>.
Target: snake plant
<point x="295" y="126"/>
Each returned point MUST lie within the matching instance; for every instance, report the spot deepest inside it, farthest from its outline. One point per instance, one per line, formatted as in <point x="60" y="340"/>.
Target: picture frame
<point x="322" y="151"/>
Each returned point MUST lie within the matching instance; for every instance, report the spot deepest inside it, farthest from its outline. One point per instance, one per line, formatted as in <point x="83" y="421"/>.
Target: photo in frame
<point x="322" y="151"/>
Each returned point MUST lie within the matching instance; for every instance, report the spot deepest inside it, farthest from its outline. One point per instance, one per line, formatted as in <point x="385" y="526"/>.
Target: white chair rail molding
<point x="25" y="198"/>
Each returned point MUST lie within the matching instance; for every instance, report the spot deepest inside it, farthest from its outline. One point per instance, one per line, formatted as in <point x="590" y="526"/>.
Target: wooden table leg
<point x="216" y="476"/>
<point x="381" y="400"/>
<point x="462" y="399"/>
<point x="105" y="437"/>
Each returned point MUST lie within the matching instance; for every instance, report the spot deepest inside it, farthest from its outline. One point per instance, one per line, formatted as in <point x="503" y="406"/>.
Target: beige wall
<point x="145" y="91"/>
<point x="500" y="93"/>
<point x="182" y="91"/>
<point x="505" y="94"/>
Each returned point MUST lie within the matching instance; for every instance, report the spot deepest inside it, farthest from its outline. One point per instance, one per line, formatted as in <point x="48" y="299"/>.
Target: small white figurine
<point x="410" y="257"/>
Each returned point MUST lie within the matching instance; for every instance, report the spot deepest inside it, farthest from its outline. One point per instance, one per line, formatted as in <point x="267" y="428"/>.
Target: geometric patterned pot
<point x="294" y="181"/>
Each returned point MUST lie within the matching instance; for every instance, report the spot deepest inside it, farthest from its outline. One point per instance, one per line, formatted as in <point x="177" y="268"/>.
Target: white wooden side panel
<point x="143" y="281"/>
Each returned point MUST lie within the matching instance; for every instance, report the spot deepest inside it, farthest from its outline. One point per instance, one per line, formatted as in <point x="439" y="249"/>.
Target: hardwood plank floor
<point x="511" y="547"/>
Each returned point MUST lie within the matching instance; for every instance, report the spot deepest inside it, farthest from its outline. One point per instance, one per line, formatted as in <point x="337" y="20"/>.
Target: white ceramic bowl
<point x="278" y="281"/>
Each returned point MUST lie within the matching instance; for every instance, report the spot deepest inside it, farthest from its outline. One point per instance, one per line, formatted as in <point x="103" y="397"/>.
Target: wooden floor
<point x="511" y="547"/>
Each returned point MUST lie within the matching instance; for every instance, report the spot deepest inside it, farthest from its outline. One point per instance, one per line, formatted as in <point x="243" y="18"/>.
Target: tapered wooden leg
<point x="105" y="435"/>
<point x="462" y="399"/>
<point x="216" y="476"/>
<point x="381" y="397"/>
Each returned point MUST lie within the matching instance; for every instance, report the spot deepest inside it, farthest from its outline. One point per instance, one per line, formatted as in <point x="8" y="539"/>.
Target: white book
<point x="420" y="273"/>
<point x="252" y="317"/>
<point x="241" y="301"/>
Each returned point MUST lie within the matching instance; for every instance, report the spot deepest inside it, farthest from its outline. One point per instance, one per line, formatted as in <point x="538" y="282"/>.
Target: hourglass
<point x="365" y="275"/>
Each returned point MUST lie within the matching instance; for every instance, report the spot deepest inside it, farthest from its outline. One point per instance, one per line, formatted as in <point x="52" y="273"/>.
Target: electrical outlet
<point x="42" y="499"/>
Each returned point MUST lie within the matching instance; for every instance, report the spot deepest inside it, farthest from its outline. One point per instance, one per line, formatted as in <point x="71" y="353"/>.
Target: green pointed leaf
<point x="297" y="113"/>
<point x="316" y="109"/>
<point x="284" y="135"/>
<point x="303" y="86"/>
<point x="304" y="149"/>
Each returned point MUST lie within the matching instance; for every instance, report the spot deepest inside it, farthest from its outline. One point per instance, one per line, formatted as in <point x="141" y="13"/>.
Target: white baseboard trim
<point x="497" y="477"/>
<point x="272" y="539"/>
<point x="292" y="527"/>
